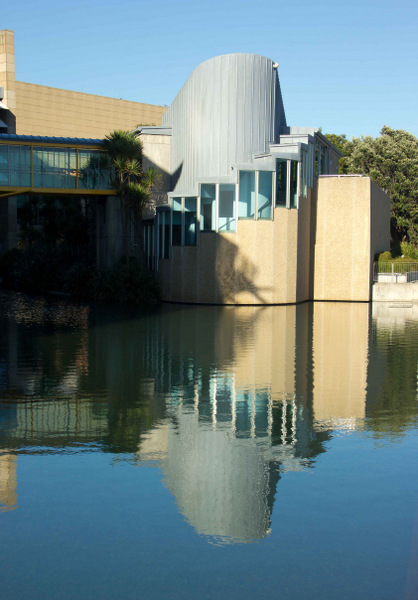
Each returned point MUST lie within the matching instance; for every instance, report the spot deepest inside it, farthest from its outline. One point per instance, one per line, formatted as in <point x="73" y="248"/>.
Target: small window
<point x="226" y="219"/>
<point x="265" y="194"/>
<point x="246" y="200"/>
<point x="281" y="181"/>
<point x="293" y="184"/>
<point x="207" y="207"/>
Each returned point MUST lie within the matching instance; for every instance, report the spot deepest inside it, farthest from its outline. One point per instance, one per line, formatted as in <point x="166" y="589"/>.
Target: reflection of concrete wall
<point x="352" y="224"/>
<point x="340" y="360"/>
<point x="266" y="356"/>
<point x="8" y="482"/>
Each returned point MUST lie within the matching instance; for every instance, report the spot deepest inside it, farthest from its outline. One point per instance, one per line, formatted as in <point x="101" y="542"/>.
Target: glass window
<point x="226" y="219"/>
<point x="93" y="170"/>
<point x="265" y="194"/>
<point x="176" y="220"/>
<point x="54" y="167"/>
<point x="15" y="166"/>
<point x="190" y="221"/>
<point x="166" y="235"/>
<point x="281" y="181"/>
<point x="246" y="200"/>
<point x="207" y="207"/>
<point x="293" y="184"/>
<point x="160" y="235"/>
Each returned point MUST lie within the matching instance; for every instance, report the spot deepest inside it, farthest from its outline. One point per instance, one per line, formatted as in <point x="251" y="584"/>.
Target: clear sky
<point x="348" y="67"/>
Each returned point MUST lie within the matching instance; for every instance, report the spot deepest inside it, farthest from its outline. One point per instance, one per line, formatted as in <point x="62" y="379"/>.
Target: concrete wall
<point x="395" y="292"/>
<point x="8" y="223"/>
<point x="43" y="110"/>
<point x="7" y="67"/>
<point x="109" y="237"/>
<point x="348" y="210"/>
<point x="256" y="265"/>
<point x="156" y="153"/>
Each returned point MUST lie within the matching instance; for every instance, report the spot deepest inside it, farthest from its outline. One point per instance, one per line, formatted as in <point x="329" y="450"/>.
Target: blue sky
<point x="348" y="67"/>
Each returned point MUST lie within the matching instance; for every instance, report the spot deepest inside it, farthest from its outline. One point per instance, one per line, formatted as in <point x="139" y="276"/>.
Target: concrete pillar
<point x="109" y="238"/>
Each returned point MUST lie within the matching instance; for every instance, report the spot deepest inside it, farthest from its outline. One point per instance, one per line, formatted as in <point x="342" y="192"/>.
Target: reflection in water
<point x="8" y="481"/>
<point x="224" y="400"/>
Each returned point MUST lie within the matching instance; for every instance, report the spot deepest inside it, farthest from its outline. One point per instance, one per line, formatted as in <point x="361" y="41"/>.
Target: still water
<point x="208" y="452"/>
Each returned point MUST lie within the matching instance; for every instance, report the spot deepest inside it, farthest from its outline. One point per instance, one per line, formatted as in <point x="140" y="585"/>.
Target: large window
<point x="190" y="221"/>
<point x="265" y="194"/>
<point x="226" y="218"/>
<point x="246" y="200"/>
<point x="208" y="207"/>
<point x="281" y="182"/>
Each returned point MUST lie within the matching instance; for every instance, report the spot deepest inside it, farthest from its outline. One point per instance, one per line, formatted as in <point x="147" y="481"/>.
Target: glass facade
<point x="53" y="167"/>
<point x="246" y="199"/>
<point x="15" y="166"/>
<point x="265" y="194"/>
<point x="94" y="172"/>
<point x="226" y="217"/>
<point x="207" y="207"/>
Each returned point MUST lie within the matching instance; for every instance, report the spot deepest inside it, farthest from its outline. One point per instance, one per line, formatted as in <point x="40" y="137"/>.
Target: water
<point x="208" y="452"/>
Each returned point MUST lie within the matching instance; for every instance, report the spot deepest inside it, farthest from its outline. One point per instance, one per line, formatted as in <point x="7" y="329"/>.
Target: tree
<point x="133" y="185"/>
<point x="391" y="160"/>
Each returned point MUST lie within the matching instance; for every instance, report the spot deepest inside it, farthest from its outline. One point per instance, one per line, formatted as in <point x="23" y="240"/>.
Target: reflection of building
<point x="255" y="213"/>
<point x="225" y="400"/>
<point x="8" y="482"/>
<point x="340" y="362"/>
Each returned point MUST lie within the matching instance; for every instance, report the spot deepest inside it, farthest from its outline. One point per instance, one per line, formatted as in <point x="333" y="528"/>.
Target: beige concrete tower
<point x="7" y="67"/>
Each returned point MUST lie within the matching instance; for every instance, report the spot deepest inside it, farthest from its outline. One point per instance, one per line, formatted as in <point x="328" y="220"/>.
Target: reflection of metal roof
<point x="13" y="137"/>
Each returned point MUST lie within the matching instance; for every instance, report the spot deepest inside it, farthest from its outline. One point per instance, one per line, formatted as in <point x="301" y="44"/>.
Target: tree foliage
<point x="391" y="160"/>
<point x="132" y="183"/>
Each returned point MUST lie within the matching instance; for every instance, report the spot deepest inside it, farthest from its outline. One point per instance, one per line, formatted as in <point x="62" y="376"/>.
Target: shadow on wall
<point x="217" y="271"/>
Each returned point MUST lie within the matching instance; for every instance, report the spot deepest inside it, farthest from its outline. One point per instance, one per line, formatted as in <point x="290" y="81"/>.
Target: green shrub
<point x="385" y="256"/>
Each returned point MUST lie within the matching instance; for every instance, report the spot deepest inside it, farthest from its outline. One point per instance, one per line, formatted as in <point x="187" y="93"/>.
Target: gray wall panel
<point x="229" y="109"/>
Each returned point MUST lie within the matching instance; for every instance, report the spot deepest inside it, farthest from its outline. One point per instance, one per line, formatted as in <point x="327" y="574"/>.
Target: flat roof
<point x="13" y="137"/>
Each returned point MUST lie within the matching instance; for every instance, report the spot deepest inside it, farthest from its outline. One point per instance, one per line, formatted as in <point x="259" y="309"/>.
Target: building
<point x="250" y="210"/>
<point x="256" y="212"/>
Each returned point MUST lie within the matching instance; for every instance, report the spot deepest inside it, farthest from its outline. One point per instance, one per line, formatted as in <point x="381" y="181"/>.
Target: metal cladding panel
<point x="229" y="109"/>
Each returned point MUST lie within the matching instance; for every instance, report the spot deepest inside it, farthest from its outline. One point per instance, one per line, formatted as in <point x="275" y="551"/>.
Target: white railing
<point x="395" y="272"/>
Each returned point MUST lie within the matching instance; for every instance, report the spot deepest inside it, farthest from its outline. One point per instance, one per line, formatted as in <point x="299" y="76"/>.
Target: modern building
<point x="249" y="210"/>
<point x="256" y="212"/>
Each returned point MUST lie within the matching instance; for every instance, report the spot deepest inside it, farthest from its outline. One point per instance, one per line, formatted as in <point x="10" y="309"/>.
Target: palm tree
<point x="133" y="185"/>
